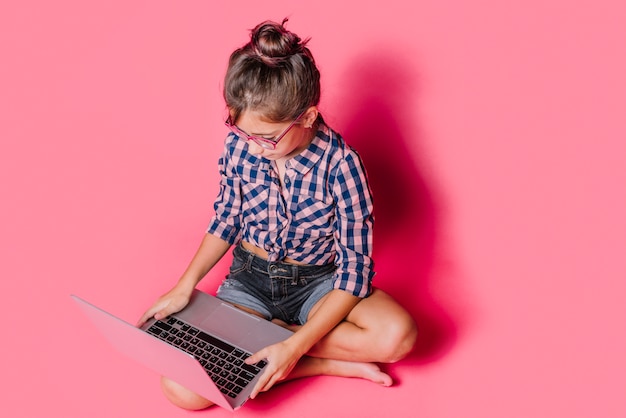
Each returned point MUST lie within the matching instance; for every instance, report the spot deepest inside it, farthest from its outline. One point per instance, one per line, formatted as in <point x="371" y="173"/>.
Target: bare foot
<point x="311" y="366"/>
<point x="368" y="371"/>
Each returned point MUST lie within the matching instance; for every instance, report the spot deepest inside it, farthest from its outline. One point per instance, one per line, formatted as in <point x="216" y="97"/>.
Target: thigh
<point x="237" y="290"/>
<point x="378" y="309"/>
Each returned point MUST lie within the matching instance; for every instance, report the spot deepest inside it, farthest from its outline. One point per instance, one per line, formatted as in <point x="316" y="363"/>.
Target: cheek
<point x="288" y="144"/>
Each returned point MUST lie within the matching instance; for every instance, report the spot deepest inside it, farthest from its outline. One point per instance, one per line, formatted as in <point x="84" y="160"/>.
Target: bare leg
<point x="377" y="330"/>
<point x="183" y="397"/>
<point x="306" y="367"/>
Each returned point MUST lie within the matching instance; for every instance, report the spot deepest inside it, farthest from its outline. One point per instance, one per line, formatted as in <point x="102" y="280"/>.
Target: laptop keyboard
<point x="222" y="361"/>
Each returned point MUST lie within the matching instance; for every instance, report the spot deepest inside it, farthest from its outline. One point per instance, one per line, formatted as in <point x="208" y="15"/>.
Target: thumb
<point x="147" y="315"/>
<point x="166" y="310"/>
<point x="157" y="312"/>
<point x="161" y="314"/>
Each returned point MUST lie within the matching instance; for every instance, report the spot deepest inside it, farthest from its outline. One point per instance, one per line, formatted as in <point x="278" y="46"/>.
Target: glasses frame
<point x="265" y="143"/>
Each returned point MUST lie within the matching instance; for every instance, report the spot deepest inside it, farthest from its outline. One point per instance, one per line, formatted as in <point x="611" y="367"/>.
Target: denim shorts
<point x="275" y="290"/>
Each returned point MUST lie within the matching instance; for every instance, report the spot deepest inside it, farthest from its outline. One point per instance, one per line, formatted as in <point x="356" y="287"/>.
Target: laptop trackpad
<point x="230" y="323"/>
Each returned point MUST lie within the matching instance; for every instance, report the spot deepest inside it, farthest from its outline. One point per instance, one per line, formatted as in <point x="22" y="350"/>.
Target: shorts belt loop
<point x="294" y="275"/>
<point x="249" y="263"/>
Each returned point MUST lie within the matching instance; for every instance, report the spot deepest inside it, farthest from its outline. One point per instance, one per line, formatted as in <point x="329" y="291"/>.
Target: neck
<point x="308" y="136"/>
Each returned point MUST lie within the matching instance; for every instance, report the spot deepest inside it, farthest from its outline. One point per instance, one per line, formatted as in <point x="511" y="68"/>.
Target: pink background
<point x="494" y="137"/>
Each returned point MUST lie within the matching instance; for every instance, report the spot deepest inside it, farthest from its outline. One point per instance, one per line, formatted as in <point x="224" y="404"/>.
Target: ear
<point x="309" y="117"/>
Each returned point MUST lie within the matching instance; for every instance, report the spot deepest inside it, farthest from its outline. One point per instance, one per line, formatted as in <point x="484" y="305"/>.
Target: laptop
<point x="201" y="347"/>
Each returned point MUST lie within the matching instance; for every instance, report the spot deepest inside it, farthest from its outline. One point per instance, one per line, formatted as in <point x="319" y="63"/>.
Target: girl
<point x="295" y="202"/>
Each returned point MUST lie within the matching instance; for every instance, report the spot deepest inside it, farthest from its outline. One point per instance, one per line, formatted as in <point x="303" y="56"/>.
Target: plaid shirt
<point x="322" y="213"/>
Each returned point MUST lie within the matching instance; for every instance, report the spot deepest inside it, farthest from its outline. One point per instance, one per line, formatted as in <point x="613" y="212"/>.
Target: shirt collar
<point x="308" y="158"/>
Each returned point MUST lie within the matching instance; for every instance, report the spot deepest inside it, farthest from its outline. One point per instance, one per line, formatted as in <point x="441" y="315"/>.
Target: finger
<point x="256" y="357"/>
<point x="152" y="312"/>
<point x="261" y="383"/>
<point x="163" y="313"/>
<point x="256" y="390"/>
<point x="270" y="382"/>
<point x="147" y="315"/>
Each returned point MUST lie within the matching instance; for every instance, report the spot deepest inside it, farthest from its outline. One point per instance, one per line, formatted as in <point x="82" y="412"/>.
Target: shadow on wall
<point x="383" y="126"/>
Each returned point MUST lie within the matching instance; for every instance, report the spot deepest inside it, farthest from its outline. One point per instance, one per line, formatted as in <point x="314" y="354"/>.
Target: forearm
<point x="333" y="310"/>
<point x="211" y="250"/>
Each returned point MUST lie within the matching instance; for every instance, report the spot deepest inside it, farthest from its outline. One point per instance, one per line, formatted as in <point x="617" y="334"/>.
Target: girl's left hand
<point x="281" y="359"/>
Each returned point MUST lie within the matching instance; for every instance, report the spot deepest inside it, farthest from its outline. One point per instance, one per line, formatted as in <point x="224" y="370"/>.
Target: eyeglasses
<point x="266" y="143"/>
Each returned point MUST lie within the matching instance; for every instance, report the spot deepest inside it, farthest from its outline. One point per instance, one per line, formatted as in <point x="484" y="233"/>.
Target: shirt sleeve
<point x="354" y="223"/>
<point x="226" y="223"/>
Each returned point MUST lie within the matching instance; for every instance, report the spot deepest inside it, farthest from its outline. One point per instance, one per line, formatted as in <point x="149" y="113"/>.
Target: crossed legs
<point x="377" y="330"/>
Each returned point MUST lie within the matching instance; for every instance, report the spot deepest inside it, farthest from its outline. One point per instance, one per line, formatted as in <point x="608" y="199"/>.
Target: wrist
<point x="186" y="284"/>
<point x="301" y="341"/>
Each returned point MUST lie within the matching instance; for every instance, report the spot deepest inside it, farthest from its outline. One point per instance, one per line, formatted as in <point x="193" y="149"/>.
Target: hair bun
<point x="273" y="43"/>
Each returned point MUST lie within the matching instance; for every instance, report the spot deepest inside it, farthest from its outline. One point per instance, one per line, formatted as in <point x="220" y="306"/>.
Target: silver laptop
<point x="201" y="347"/>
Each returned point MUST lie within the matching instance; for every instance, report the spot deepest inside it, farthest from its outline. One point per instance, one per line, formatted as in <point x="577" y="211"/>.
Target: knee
<point x="183" y="397"/>
<point x="397" y="339"/>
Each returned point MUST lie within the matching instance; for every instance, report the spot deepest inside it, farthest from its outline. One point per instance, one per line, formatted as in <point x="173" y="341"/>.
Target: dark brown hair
<point x="274" y="73"/>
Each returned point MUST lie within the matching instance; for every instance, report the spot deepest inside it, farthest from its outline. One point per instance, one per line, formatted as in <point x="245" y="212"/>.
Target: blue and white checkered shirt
<point x="322" y="214"/>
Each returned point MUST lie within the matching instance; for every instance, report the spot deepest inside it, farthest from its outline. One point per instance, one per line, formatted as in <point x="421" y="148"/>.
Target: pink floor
<point x="493" y="134"/>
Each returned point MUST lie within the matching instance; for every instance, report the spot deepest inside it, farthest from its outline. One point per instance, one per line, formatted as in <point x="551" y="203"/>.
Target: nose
<point x="254" y="148"/>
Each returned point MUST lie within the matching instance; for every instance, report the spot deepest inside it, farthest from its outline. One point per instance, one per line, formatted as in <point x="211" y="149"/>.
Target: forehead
<point x="257" y="121"/>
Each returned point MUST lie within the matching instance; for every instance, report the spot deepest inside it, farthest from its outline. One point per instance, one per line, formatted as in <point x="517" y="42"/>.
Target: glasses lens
<point x="263" y="143"/>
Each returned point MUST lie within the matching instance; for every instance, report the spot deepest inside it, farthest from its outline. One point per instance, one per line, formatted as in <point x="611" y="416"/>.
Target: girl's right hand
<point x="171" y="302"/>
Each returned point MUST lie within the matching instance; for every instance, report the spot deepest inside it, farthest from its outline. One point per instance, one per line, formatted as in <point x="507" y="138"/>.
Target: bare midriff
<point x="260" y="252"/>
